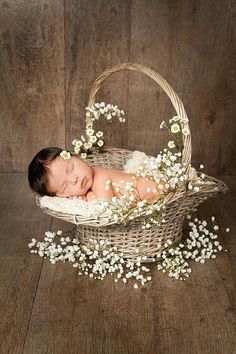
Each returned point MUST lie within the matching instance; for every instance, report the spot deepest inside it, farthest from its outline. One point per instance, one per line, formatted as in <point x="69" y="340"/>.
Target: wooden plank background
<point x="51" y="52"/>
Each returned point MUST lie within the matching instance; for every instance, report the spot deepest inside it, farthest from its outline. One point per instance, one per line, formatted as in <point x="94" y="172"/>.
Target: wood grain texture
<point x="19" y="271"/>
<point x="31" y="80"/>
<point x="187" y="42"/>
<point x="98" y="35"/>
<point x="52" y="52"/>
<point x="47" y="308"/>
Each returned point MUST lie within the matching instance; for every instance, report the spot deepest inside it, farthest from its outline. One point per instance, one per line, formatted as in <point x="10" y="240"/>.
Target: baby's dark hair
<point x="38" y="170"/>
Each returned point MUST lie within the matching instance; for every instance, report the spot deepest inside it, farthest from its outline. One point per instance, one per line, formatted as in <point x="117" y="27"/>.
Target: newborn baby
<point x="50" y="174"/>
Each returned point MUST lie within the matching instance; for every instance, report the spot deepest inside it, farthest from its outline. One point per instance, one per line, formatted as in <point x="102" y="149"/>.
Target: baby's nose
<point x="74" y="179"/>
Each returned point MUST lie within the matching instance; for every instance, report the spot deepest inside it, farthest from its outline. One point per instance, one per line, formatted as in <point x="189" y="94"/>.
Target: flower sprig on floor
<point x="98" y="259"/>
<point x="93" y="139"/>
<point x="176" y="131"/>
<point x="201" y="243"/>
<point x="95" y="260"/>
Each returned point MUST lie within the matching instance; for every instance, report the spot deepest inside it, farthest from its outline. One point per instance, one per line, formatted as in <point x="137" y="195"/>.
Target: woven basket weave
<point x="131" y="239"/>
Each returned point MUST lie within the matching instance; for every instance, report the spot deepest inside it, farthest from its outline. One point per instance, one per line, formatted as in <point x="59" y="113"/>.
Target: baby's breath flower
<point x="83" y="155"/>
<point x="162" y="124"/>
<point x="76" y="149"/>
<point x="78" y="143"/>
<point x="175" y="128"/>
<point x="87" y="145"/>
<point x="99" y="134"/>
<point x="175" y="119"/>
<point x="185" y="131"/>
<point x="89" y="131"/>
<point x="171" y="144"/>
<point x="100" y="143"/>
<point x="93" y="139"/>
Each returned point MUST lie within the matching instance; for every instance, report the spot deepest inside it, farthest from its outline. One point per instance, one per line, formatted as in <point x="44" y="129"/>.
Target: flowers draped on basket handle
<point x="176" y="131"/>
<point x="84" y="145"/>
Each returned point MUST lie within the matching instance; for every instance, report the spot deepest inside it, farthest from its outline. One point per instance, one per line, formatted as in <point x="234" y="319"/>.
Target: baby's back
<point x="118" y="186"/>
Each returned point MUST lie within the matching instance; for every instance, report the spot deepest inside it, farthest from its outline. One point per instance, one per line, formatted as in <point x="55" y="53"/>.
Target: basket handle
<point x="177" y="103"/>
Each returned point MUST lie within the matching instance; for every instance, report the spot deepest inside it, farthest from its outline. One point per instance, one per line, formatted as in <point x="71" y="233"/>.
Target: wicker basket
<point x="131" y="239"/>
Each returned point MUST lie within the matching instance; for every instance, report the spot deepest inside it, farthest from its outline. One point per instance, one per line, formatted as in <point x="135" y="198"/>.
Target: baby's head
<point x="52" y="175"/>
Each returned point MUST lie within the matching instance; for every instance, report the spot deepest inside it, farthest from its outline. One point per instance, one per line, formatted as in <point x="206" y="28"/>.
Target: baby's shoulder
<point x="101" y="177"/>
<point x="101" y="172"/>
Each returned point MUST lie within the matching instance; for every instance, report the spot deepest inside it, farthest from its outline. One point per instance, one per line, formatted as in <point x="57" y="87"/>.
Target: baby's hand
<point x="90" y="196"/>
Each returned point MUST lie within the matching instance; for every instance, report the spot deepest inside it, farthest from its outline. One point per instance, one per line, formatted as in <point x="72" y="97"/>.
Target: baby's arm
<point x="149" y="190"/>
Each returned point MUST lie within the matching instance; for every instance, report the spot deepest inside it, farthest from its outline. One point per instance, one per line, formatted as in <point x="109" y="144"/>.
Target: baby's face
<point x="68" y="178"/>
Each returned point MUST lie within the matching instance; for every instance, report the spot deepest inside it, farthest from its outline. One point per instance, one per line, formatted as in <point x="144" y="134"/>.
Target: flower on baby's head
<point x="65" y="155"/>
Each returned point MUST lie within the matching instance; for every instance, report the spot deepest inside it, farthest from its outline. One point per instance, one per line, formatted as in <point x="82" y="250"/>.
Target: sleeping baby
<point x="52" y="175"/>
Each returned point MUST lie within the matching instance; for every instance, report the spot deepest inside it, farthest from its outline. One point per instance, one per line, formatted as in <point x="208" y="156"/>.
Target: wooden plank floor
<point x="46" y="308"/>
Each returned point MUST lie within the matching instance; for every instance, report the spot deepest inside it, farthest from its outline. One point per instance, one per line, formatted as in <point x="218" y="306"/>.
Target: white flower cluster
<point x="166" y="166"/>
<point x="201" y="244"/>
<point x="95" y="260"/>
<point x="109" y="111"/>
<point x="83" y="145"/>
<point x="176" y="129"/>
<point x="98" y="259"/>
